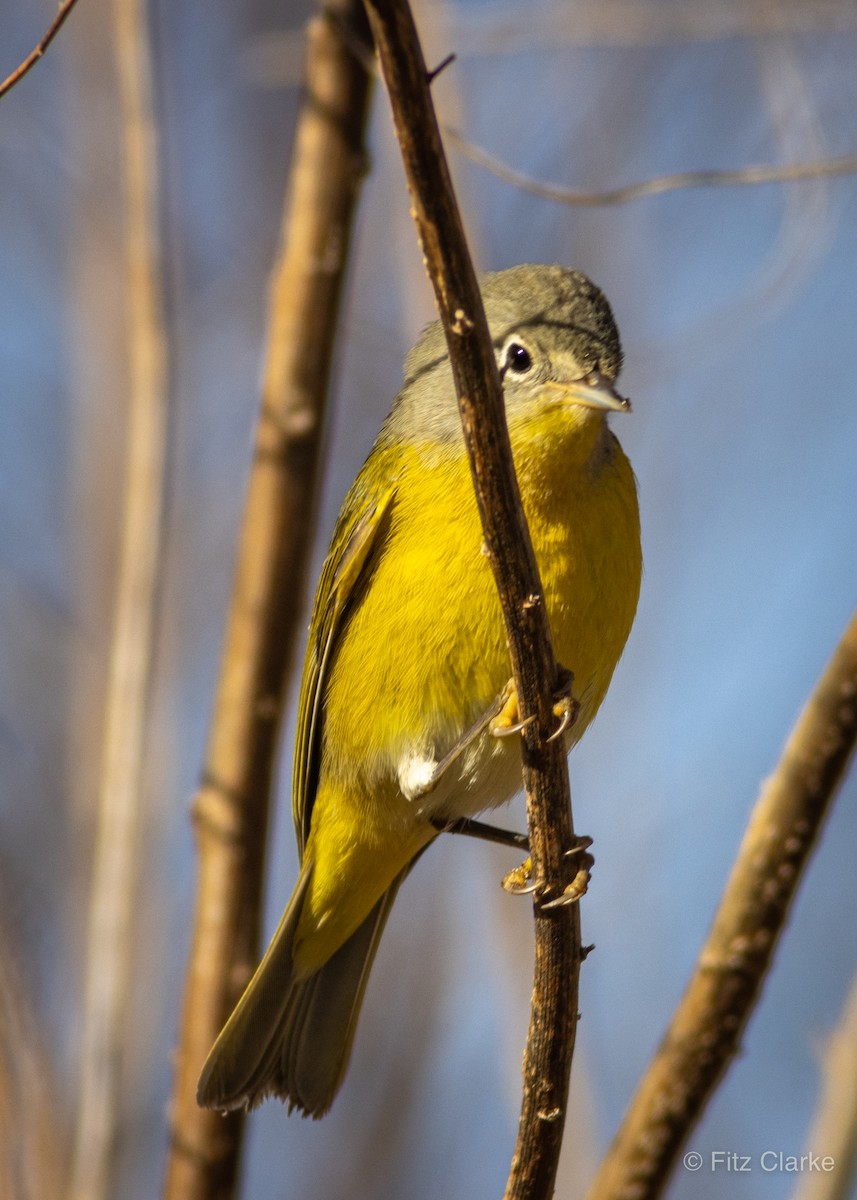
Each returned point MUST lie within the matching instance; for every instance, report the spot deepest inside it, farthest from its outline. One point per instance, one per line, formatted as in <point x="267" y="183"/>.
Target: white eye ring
<point x="516" y="358"/>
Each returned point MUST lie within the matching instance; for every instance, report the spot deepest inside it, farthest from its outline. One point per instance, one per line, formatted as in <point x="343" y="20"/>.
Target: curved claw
<point x="574" y="892"/>
<point x="581" y="844"/>
<point x="567" y="710"/>
<point x="502" y="731"/>
<point x="506" y="723"/>
<point x="565" y="707"/>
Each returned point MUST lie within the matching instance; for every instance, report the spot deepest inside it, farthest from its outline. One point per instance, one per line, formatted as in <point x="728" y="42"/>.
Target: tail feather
<point x="291" y="1037"/>
<point x="319" y="1032"/>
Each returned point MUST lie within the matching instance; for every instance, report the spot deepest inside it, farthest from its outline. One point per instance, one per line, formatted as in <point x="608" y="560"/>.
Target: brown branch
<point x="30" y="61"/>
<point x="231" y="807"/>
<point x="706" y="1028"/>
<point x="554" y="1011"/>
<point x="112" y="902"/>
<point x="788" y="173"/>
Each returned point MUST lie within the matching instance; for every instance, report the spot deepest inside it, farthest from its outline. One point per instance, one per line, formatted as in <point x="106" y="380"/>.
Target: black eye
<point x="518" y="359"/>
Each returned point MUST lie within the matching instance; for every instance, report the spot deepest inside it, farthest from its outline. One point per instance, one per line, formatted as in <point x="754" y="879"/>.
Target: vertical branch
<point x="231" y="807"/>
<point x="116" y="852"/>
<point x="32" y="1159"/>
<point x="706" y="1028"/>
<point x="554" y="1008"/>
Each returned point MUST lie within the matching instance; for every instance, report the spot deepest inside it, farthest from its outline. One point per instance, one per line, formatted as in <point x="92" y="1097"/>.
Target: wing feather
<point x="360" y="532"/>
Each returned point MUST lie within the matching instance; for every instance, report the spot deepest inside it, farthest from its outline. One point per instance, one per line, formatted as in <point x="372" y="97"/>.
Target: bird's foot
<point x="520" y="882"/>
<point x="577" y="888"/>
<point x="508" y="722"/>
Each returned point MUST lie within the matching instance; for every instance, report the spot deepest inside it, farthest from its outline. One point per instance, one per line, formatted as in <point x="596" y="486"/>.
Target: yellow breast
<point x="426" y="640"/>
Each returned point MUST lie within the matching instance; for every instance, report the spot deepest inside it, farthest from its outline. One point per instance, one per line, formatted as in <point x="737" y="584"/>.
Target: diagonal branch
<point x="231" y="807"/>
<point x="554" y="1009"/>
<point x="33" y="57"/>
<point x="706" y="1028"/>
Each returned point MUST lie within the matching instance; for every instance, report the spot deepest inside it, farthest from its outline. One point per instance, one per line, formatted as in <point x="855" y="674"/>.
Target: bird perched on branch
<point x="405" y="702"/>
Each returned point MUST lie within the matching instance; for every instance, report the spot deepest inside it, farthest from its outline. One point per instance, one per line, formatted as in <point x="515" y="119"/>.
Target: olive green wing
<point x="360" y="531"/>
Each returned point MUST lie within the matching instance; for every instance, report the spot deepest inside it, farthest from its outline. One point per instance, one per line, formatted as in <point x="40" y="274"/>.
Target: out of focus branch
<point x="269" y="58"/>
<point x="786" y="173"/>
<point x="32" y="1165"/>
<point x="833" y="1132"/>
<point x="706" y="1028"/>
<point x="554" y="1011"/>
<point x="115" y="875"/>
<point x="30" y="61"/>
<point x="231" y="807"/>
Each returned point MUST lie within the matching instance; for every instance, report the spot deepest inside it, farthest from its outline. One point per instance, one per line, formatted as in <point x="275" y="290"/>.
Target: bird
<point x="405" y="704"/>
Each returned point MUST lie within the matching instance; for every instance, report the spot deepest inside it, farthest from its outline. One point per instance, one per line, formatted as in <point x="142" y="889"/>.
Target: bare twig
<point x="269" y="59"/>
<point x="706" y="1028"/>
<point x="787" y="173"/>
<point x="30" y="61"/>
<point x="116" y="853"/>
<point x="834" y="1130"/>
<point x="231" y="807"/>
<point x="554" y="1013"/>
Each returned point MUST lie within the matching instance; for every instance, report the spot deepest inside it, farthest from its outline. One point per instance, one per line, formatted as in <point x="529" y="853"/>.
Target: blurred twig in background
<point x="114" y="884"/>
<point x="553" y="1022"/>
<point x="231" y="808"/>
<point x="769" y="173"/>
<point x="833" y="1132"/>
<point x="30" y="61"/>
<point x="706" y="1028"/>
<point x="31" y="1143"/>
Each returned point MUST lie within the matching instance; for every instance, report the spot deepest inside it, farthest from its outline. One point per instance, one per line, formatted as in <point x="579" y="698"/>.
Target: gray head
<point x="550" y="326"/>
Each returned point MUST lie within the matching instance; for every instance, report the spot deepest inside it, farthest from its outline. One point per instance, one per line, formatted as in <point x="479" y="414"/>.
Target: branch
<point x="787" y="173"/>
<point x="231" y="807"/>
<point x="32" y="1126"/>
<point x="706" y="1028"/>
<point x="834" y="1129"/>
<point x="114" y="884"/>
<point x="554" y="1010"/>
<point x="30" y="61"/>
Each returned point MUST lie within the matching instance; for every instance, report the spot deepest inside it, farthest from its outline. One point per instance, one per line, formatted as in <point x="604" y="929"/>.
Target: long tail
<point x="292" y="1037"/>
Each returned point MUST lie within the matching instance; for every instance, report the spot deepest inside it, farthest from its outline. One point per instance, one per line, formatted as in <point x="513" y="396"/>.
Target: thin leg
<point x="487" y="833"/>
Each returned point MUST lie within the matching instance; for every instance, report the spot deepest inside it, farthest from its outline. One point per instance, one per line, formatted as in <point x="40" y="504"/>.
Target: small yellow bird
<point x="403" y="699"/>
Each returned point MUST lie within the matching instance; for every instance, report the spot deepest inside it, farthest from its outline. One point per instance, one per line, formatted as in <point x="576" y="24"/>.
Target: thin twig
<point x="706" y="1029"/>
<point x="231" y="807"/>
<point x="554" y="1012"/>
<point x="30" y="61"/>
<point x="267" y="55"/>
<point x="833" y="1134"/>
<point x="114" y="884"/>
<point x="789" y="173"/>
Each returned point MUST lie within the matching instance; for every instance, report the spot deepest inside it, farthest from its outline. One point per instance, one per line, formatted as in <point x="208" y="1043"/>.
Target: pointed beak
<point x="592" y="391"/>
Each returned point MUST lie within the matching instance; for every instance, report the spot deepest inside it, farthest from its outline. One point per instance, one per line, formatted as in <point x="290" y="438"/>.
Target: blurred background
<point x="737" y="307"/>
